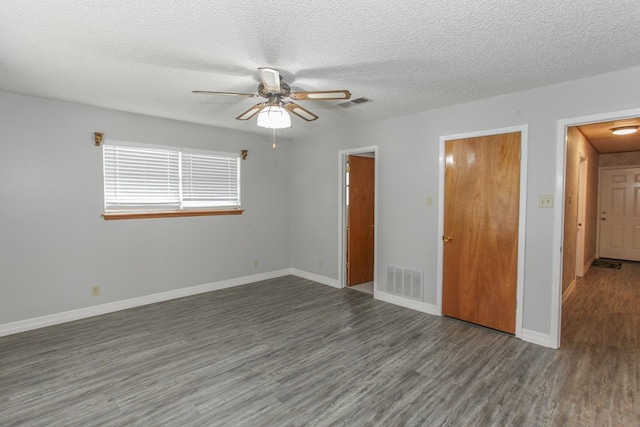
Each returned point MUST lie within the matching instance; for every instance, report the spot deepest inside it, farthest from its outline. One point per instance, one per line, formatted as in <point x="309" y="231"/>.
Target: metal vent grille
<point x="404" y="282"/>
<point x="354" y="102"/>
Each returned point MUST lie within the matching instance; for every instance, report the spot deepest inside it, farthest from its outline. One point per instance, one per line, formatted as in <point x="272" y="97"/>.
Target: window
<point x="155" y="180"/>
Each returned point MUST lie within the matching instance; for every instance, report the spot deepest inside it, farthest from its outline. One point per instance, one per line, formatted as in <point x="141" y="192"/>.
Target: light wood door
<point x="582" y="209"/>
<point x="620" y="214"/>
<point x="360" y="233"/>
<point x="481" y="213"/>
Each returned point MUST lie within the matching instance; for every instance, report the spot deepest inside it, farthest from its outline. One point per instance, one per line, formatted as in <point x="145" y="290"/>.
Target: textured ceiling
<point x="147" y="56"/>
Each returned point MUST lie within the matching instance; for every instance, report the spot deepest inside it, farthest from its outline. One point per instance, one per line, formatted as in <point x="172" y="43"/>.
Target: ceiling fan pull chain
<point x="274" y="139"/>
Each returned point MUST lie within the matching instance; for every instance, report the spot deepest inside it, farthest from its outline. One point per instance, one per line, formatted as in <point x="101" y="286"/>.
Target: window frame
<point x="173" y="208"/>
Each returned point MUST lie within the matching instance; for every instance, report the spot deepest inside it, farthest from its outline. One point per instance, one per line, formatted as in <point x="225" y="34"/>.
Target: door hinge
<point x="347" y="169"/>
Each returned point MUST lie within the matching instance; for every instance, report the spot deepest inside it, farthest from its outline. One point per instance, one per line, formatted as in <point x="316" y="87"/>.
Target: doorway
<point x="597" y="131"/>
<point x="358" y="218"/>
<point x="483" y="201"/>
<point x="359" y="200"/>
<point x="620" y="213"/>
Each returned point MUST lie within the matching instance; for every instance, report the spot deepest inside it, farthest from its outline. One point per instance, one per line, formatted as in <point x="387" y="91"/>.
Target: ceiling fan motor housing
<point x="285" y="91"/>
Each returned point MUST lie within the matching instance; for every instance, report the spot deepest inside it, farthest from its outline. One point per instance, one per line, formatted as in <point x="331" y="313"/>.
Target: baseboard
<point x="587" y="265"/>
<point x="407" y="303"/>
<point x="537" y="338"/>
<point x="96" y="310"/>
<point x="315" y="277"/>
<point x="569" y="291"/>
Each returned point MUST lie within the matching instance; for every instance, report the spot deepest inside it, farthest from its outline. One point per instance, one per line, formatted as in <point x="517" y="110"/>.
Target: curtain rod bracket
<point x="98" y="137"/>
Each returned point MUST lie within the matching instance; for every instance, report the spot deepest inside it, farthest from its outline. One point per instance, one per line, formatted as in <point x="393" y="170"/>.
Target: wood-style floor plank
<point x="290" y="352"/>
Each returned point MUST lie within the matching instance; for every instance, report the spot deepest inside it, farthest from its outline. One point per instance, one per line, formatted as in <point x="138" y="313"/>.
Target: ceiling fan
<point x="273" y="112"/>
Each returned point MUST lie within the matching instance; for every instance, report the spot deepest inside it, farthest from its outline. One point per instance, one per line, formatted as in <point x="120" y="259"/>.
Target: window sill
<point x="170" y="214"/>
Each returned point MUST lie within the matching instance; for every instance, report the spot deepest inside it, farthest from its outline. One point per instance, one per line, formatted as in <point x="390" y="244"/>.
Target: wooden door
<point x="620" y="214"/>
<point x="360" y="213"/>
<point x="481" y="213"/>
<point x="582" y="210"/>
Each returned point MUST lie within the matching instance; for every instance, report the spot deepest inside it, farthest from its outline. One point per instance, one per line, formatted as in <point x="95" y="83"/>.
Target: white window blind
<point x="141" y="177"/>
<point x="210" y="179"/>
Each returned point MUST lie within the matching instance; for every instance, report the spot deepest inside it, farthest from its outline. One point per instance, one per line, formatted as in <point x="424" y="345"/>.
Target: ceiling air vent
<point x="354" y="102"/>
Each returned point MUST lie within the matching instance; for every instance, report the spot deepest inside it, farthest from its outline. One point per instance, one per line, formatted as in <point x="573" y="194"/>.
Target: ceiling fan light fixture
<point x="625" y="130"/>
<point x="274" y="117"/>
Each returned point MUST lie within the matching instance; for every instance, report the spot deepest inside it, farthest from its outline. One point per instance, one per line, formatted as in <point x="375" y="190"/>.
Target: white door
<point x="620" y="214"/>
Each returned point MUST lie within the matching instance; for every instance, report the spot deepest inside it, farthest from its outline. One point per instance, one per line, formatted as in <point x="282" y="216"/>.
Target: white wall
<point x="408" y="173"/>
<point x="54" y="244"/>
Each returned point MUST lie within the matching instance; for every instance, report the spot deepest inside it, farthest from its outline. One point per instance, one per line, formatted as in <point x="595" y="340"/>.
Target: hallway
<point x="604" y="310"/>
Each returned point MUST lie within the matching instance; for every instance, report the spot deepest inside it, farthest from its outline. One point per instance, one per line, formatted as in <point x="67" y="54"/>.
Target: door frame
<point x="343" y="155"/>
<point x="583" y="169"/>
<point x="558" y="210"/>
<point x="524" y="137"/>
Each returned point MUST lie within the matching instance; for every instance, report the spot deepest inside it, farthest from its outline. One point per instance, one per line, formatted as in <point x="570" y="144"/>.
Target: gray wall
<point x="408" y="173"/>
<point x="54" y="244"/>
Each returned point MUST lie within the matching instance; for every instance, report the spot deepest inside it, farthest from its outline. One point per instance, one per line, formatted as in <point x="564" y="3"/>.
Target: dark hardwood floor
<point x="604" y="310"/>
<point x="290" y="352"/>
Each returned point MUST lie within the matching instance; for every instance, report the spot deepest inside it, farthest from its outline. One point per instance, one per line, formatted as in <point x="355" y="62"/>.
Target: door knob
<point x="603" y="218"/>
<point x="447" y="239"/>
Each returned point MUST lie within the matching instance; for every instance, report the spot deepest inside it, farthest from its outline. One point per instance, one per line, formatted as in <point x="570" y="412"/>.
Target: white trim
<point x="572" y="287"/>
<point x="537" y="338"/>
<point x="342" y="155"/>
<point x="558" y="212"/>
<point x="96" y="310"/>
<point x="522" y="220"/>
<point x="406" y="303"/>
<point x="316" y="278"/>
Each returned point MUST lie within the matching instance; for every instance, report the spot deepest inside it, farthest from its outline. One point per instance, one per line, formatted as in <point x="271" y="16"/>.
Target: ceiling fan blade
<point x="208" y="92"/>
<point x="294" y="108"/>
<point x="270" y="79"/>
<point x="322" y="95"/>
<point x="251" y="111"/>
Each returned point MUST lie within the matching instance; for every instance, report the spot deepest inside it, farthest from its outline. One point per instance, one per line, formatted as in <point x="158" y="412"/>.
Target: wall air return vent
<point x="354" y="102"/>
<point x="404" y="282"/>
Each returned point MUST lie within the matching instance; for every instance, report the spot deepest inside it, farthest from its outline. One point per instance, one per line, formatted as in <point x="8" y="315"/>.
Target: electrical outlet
<point x="95" y="291"/>
<point x="545" y="201"/>
<point x="429" y="201"/>
<point x="255" y="264"/>
<point x="319" y="264"/>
